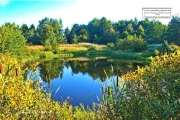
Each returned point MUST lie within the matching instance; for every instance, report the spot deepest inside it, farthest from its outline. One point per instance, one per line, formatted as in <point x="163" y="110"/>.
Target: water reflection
<point x="80" y="80"/>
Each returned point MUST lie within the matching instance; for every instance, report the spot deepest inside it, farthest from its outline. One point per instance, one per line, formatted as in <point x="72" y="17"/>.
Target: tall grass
<point x="111" y="97"/>
<point x="126" y="55"/>
<point x="80" y="47"/>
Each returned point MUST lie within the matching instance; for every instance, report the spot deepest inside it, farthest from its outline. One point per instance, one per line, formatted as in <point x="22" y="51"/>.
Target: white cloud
<point x="3" y="3"/>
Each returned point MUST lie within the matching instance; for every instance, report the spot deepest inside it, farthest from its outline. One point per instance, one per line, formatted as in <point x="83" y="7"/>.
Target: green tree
<point x="173" y="32"/>
<point x="72" y="33"/>
<point x="58" y="30"/>
<point x="94" y="30"/>
<point x="140" y="31"/>
<point x="12" y="40"/>
<point x="154" y="31"/>
<point x="24" y="29"/>
<point x="132" y="42"/>
<point x="139" y="44"/>
<point x="106" y="31"/>
<point x="50" y="32"/>
<point x="75" y="39"/>
<point x="67" y="32"/>
<point x="82" y="34"/>
<point x="129" y="28"/>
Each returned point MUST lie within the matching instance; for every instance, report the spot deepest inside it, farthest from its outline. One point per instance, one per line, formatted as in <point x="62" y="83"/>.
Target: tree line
<point x="125" y="34"/>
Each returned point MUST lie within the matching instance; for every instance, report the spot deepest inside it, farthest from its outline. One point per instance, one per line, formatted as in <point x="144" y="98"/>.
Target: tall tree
<point x="24" y="29"/>
<point x="140" y="31"/>
<point x="73" y="31"/>
<point x="154" y="31"/>
<point x="67" y="32"/>
<point x="173" y="32"/>
<point x="50" y="33"/>
<point x="12" y="40"/>
<point x="129" y="28"/>
<point x="94" y="30"/>
<point x="107" y="32"/>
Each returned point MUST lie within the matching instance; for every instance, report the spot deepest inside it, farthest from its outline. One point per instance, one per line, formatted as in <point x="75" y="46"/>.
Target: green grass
<point x="130" y="55"/>
<point x="152" y="47"/>
<point x="91" y="51"/>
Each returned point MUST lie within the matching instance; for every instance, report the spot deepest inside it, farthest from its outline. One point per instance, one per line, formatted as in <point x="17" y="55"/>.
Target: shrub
<point x="20" y="99"/>
<point x="173" y="48"/>
<point x="152" y="47"/>
<point x="46" y="54"/>
<point x="92" y="48"/>
<point x="156" y="52"/>
<point x="111" y="45"/>
<point x="150" y="92"/>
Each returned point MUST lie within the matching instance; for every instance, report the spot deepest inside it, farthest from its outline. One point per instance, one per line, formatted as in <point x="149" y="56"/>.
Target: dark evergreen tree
<point x="173" y="32"/>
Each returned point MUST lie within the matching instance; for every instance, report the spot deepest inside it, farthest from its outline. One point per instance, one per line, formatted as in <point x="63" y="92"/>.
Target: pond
<point x="79" y="80"/>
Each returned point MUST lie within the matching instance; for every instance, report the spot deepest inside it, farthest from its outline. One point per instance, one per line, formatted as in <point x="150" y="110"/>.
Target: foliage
<point x="92" y="48"/>
<point x="102" y="31"/>
<point x="173" y="32"/>
<point x="165" y="46"/>
<point x="132" y="42"/>
<point x="150" y="92"/>
<point x="152" y="47"/>
<point x="111" y="45"/>
<point x="174" y="48"/>
<point x="26" y="100"/>
<point x="46" y="54"/>
<point x="156" y="52"/>
<point x="139" y="45"/>
<point x="11" y="40"/>
<point x="130" y="55"/>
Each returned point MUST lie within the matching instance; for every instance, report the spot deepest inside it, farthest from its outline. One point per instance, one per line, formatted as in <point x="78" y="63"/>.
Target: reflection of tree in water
<point x="51" y="69"/>
<point x="96" y="68"/>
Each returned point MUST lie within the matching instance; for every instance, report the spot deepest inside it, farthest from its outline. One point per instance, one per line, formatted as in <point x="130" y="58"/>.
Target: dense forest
<point x="103" y="31"/>
<point x="123" y="35"/>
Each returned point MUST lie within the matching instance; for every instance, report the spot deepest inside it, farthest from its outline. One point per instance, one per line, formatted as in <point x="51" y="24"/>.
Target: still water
<point x="79" y="80"/>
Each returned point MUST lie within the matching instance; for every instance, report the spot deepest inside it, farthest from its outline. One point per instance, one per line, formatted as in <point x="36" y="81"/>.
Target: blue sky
<point x="78" y="11"/>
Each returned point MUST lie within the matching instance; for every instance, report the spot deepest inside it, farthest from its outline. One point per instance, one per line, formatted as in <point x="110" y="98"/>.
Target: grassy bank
<point x="84" y="50"/>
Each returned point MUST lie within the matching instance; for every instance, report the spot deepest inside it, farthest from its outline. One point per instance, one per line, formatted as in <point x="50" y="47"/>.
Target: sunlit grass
<point x="71" y="48"/>
<point x="80" y="47"/>
<point x="35" y="47"/>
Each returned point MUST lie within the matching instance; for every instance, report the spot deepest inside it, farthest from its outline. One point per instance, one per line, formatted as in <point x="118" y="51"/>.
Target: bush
<point x="150" y="92"/>
<point x="92" y="48"/>
<point x="173" y="48"/>
<point x="152" y="47"/>
<point x="20" y="99"/>
<point x="111" y="45"/>
<point x="45" y="54"/>
<point x="156" y="52"/>
<point x="132" y="42"/>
